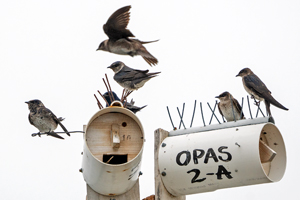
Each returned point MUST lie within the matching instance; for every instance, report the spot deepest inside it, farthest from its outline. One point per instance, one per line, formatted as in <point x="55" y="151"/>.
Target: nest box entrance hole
<point x="115" y="159"/>
<point x="267" y="146"/>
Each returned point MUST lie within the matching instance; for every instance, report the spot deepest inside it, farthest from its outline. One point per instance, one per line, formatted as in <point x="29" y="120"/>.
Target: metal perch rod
<point x="39" y="134"/>
<point x="235" y="116"/>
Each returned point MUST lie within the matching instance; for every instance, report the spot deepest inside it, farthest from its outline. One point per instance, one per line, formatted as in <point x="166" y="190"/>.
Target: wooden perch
<point x="115" y="135"/>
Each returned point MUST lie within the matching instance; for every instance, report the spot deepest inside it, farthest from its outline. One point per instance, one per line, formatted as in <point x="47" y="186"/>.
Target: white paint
<point x="110" y="179"/>
<point x="245" y="165"/>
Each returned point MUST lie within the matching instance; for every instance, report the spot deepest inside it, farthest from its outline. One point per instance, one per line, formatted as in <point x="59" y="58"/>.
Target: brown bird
<point x="119" y="41"/>
<point x="258" y="90"/>
<point x="44" y="119"/>
<point x="229" y="107"/>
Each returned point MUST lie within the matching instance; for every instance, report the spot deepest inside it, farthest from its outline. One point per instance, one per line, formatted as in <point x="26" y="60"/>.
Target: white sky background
<point x="48" y="52"/>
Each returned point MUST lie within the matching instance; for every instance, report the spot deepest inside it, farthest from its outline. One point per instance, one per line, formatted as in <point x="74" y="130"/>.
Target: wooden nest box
<point x="113" y="146"/>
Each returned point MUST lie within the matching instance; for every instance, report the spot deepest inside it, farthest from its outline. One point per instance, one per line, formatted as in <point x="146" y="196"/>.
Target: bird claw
<point x="35" y="134"/>
<point x="257" y="103"/>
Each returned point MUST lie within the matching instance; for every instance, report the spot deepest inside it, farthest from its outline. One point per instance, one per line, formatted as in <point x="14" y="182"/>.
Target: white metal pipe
<point x="222" y="158"/>
<point x="109" y="179"/>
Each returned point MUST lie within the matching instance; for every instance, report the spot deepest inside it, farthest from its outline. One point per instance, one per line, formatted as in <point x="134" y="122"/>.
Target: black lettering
<point x="187" y="158"/>
<point x="210" y="154"/>
<point x="196" y="157"/>
<point x="229" y="157"/>
<point x="222" y="170"/>
<point x="197" y="173"/>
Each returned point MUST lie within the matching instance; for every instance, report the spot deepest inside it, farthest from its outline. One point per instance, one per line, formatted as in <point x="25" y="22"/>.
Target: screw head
<point x="163" y="173"/>
<point x="81" y="170"/>
<point x="163" y="144"/>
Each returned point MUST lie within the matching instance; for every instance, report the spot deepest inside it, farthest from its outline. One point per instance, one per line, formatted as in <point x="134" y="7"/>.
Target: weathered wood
<point x="98" y="136"/>
<point x="265" y="152"/>
<point x="160" y="191"/>
<point x="132" y="194"/>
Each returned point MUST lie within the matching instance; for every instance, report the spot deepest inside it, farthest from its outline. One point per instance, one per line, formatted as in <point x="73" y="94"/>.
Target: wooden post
<point x="160" y="191"/>
<point x="132" y="194"/>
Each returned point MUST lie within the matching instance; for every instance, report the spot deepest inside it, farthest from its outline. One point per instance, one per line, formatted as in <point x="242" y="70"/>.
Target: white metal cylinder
<point x="112" y="179"/>
<point x="230" y="157"/>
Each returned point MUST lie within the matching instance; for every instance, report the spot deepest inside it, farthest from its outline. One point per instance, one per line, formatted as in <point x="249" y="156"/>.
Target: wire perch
<point x="46" y="133"/>
<point x="202" y="114"/>
<point x="181" y="116"/>
<point x="171" y="118"/>
<point x="242" y="108"/>
<point x="213" y="113"/>
<point x="193" y="113"/>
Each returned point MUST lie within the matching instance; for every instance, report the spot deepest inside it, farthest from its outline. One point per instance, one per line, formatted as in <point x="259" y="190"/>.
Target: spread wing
<point x="116" y="25"/>
<point x="256" y="85"/>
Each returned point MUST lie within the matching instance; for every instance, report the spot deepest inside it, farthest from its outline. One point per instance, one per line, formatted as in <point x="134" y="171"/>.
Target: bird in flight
<point x="120" y="39"/>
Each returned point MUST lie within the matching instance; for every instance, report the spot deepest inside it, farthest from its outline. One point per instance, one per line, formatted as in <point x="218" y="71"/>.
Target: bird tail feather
<point x="64" y="128"/>
<point x="151" y="75"/>
<point x="272" y="101"/>
<point x="55" y="135"/>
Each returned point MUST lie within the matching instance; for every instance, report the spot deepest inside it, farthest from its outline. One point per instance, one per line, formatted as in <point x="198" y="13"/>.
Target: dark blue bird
<point x="129" y="105"/>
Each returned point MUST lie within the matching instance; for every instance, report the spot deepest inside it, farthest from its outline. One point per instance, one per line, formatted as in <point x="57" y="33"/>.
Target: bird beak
<point x="237" y="75"/>
<point x="217" y="97"/>
<point x="27" y="102"/>
<point x="109" y="67"/>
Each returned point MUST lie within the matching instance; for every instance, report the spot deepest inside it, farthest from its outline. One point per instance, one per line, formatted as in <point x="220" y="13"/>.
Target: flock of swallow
<point x="120" y="41"/>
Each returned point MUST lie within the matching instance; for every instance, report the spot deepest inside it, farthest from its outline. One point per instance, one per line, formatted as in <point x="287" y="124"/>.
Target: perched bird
<point x="129" y="105"/>
<point x="119" y="41"/>
<point x="128" y="78"/>
<point x="258" y="90"/>
<point x="44" y="119"/>
<point x="229" y="107"/>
